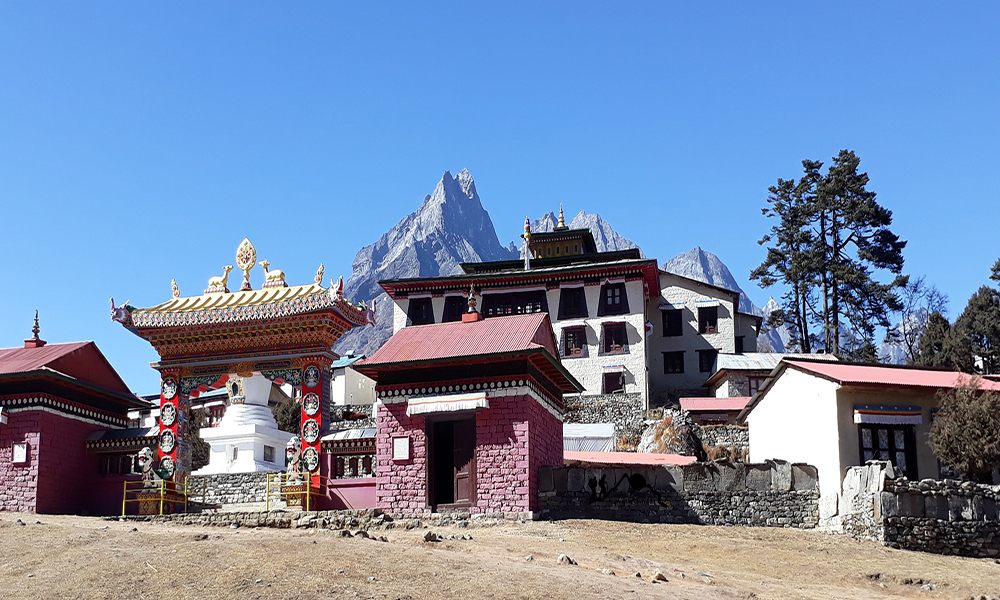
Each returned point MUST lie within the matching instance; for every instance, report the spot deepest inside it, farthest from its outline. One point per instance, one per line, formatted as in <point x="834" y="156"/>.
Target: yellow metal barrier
<point x="296" y="489"/>
<point x="152" y="499"/>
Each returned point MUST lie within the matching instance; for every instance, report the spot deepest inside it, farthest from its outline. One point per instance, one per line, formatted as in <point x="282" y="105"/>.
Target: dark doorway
<point x="452" y="465"/>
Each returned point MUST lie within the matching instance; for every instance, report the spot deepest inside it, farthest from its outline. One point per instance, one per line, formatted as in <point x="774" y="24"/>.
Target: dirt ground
<point x="84" y="557"/>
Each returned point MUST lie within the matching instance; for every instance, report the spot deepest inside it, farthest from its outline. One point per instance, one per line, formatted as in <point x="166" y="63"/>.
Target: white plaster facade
<point x="805" y="418"/>
<point x="688" y="295"/>
<point x="589" y="368"/>
<point x="347" y="386"/>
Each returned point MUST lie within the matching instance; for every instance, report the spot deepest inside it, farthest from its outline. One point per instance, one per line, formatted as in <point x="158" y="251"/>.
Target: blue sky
<point x="141" y="142"/>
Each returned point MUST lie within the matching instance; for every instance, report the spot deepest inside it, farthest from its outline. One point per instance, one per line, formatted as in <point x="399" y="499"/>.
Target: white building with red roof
<point x="838" y="415"/>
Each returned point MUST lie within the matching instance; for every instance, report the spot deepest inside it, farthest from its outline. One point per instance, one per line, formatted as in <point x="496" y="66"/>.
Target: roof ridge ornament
<point x="272" y="277"/>
<point x="34" y="341"/>
<point x="318" y="279"/>
<point x="526" y="245"/>
<point x="217" y="284"/>
<point x="246" y="259"/>
<point x="176" y="291"/>
<point x="561" y="225"/>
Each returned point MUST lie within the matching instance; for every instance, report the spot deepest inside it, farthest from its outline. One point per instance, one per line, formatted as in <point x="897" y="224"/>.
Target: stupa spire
<point x="34" y="341"/>
<point x="562" y="220"/>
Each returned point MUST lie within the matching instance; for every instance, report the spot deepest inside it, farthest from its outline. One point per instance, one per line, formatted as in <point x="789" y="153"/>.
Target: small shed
<point x="467" y="412"/>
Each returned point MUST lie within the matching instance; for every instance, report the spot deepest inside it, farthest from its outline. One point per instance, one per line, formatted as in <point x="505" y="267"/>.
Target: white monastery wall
<point x="399" y="314"/>
<point x="797" y="421"/>
<point x="589" y="368"/>
<point x="678" y="291"/>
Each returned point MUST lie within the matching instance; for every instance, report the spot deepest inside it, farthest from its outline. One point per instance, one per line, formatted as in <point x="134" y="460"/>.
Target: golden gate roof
<point x="252" y="305"/>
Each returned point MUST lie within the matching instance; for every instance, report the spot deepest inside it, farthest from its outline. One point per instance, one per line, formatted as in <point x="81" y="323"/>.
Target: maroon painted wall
<point x="60" y="476"/>
<point x="514" y="437"/>
<point x="19" y="483"/>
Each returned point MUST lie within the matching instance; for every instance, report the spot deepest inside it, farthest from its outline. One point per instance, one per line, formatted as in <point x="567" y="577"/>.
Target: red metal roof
<point x="530" y="336"/>
<point x="79" y="360"/>
<point x="625" y="458"/>
<point x="457" y="339"/>
<point x="860" y="374"/>
<point x="731" y="404"/>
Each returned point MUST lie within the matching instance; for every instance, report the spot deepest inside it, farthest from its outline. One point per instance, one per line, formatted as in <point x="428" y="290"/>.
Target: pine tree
<point x="830" y="238"/>
<point x="933" y="349"/>
<point x="288" y="415"/>
<point x="976" y="334"/>
<point x="966" y="435"/>
<point x="788" y="260"/>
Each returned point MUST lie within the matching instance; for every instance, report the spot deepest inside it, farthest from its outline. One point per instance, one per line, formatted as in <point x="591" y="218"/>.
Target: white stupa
<point x="247" y="438"/>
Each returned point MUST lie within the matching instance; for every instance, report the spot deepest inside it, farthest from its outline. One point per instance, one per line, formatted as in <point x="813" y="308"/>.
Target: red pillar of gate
<point x="172" y="431"/>
<point x="315" y="409"/>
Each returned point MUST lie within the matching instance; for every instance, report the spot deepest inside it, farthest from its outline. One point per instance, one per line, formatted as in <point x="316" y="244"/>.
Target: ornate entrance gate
<point x="282" y="333"/>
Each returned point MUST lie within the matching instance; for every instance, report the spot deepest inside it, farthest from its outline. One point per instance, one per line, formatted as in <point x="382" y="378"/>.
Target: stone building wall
<point x="737" y="436"/>
<point x="337" y="424"/>
<point x="401" y="486"/>
<point x="776" y="494"/>
<point x="626" y="411"/>
<point x="19" y="482"/>
<point x="942" y="517"/>
<point x="514" y="438"/>
<point x="229" y="488"/>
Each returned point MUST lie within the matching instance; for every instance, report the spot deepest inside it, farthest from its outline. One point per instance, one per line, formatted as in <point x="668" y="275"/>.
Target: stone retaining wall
<point x="626" y="411"/>
<point x="725" y="436"/>
<point x="942" y="517"/>
<point x="368" y="519"/>
<point x="229" y="488"/>
<point x="775" y="494"/>
<point x="363" y="409"/>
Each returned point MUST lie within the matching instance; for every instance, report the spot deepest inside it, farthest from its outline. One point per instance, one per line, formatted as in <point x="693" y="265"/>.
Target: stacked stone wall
<point x="775" y="494"/>
<point x="724" y="436"/>
<point x="229" y="488"/>
<point x="938" y="516"/>
<point x="626" y="411"/>
<point x="338" y="424"/>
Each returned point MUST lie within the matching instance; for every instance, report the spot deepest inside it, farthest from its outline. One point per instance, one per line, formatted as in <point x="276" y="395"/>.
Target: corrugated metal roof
<point x="589" y="437"/>
<point x="124" y="434"/>
<point x="626" y="458"/>
<point x="856" y="374"/>
<point x="732" y="404"/>
<point x="351" y="434"/>
<point x="346" y="361"/>
<point x="457" y="339"/>
<point x="22" y="360"/>
<point x="762" y="361"/>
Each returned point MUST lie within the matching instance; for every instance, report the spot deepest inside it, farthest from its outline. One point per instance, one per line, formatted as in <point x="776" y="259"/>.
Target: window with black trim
<point x="673" y="362"/>
<point x="673" y="322"/>
<point x="572" y="303"/>
<point x="614" y="382"/>
<point x="575" y="341"/>
<point x="615" y="338"/>
<point x="708" y="319"/>
<point x="420" y="311"/>
<point x="754" y="383"/>
<point x="520" y="303"/>
<point x="454" y="308"/>
<point x="613" y="300"/>
<point x="889" y="442"/>
<point x="706" y="360"/>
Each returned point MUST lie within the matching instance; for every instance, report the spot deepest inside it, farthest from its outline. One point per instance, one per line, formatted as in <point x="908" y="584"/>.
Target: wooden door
<point x="894" y="443"/>
<point x="464" y="435"/>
